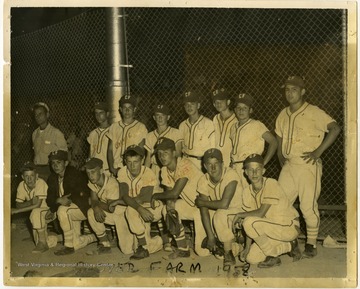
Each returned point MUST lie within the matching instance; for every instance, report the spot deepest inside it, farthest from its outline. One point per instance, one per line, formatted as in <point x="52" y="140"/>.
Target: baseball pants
<point x="222" y="223"/>
<point x="272" y="238"/>
<point x="38" y="221"/>
<point x="304" y="181"/>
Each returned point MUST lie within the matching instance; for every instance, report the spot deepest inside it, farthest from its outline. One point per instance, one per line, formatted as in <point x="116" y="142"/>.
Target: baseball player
<point x="223" y="122"/>
<point x="179" y="177"/>
<point x="68" y="196"/>
<point x="268" y="218"/>
<point x="97" y="138"/>
<point x="124" y="133"/>
<point x="31" y="196"/>
<point x="248" y="136"/>
<point x="46" y="139"/>
<point x="219" y="200"/>
<point x="197" y="131"/>
<point x="300" y="130"/>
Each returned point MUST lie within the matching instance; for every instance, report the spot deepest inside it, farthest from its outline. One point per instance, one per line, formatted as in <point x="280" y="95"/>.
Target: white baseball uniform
<point x="98" y="141"/>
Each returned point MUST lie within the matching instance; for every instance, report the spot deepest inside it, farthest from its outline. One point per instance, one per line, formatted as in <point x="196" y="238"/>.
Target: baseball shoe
<point x="310" y="251"/>
<point x="140" y="253"/>
<point x="65" y="251"/>
<point x="295" y="250"/>
<point x="179" y="254"/>
<point x="167" y="247"/>
<point x="229" y="258"/>
<point x="270" y="262"/>
<point x="101" y="250"/>
<point x="40" y="248"/>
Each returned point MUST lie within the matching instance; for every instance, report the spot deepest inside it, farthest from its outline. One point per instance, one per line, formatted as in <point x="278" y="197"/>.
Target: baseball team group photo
<point x="195" y="143"/>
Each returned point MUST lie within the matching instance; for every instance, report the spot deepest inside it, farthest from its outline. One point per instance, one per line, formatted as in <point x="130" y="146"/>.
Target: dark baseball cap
<point x="162" y="108"/>
<point x="93" y="163"/>
<point x="28" y="166"/>
<point x="244" y="98"/>
<point x="127" y="99"/>
<point x="192" y="96"/>
<point x="135" y="148"/>
<point x="295" y="80"/>
<point x="101" y="106"/>
<point x="254" y="158"/>
<point x="164" y="143"/>
<point x="220" y="94"/>
<point x="213" y="153"/>
<point x="58" y="155"/>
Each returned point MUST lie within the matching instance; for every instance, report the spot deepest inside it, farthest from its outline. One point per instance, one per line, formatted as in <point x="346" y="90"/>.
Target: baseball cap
<point x="101" y="106"/>
<point x="28" y="166"/>
<point x="244" y="98"/>
<point x="41" y="104"/>
<point x="58" y="155"/>
<point x="294" y="80"/>
<point x="220" y="94"/>
<point x="127" y="99"/>
<point x="93" y="163"/>
<point x="162" y="108"/>
<point x="254" y="158"/>
<point x="192" y="96"/>
<point x="135" y="148"/>
<point x="165" y="143"/>
<point x="213" y="153"/>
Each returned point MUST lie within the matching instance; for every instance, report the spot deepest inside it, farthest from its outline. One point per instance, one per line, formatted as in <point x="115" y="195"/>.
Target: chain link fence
<point x="171" y="50"/>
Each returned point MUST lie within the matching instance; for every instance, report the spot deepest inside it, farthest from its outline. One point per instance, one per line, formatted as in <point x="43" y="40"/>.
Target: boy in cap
<point x="223" y="122"/>
<point x="137" y="184"/>
<point x="128" y="131"/>
<point x="268" y="218"/>
<point x="97" y="138"/>
<point x="31" y="196"/>
<point x="197" y="131"/>
<point x="46" y="139"/>
<point x="300" y="160"/>
<point x="68" y="197"/>
<point x="180" y="177"/>
<point x="248" y="136"/>
<point x="219" y="200"/>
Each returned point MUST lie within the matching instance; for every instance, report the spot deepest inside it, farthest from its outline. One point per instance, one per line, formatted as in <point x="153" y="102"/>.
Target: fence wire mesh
<point x="171" y="50"/>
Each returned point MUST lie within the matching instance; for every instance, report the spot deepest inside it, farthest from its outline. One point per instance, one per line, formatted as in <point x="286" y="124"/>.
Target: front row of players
<point x="214" y="201"/>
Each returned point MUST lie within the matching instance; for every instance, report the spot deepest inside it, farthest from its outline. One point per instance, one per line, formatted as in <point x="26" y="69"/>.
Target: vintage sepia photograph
<point x="180" y="144"/>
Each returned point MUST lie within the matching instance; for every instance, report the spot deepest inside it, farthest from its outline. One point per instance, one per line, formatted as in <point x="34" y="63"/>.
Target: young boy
<point x="223" y="122"/>
<point x="300" y="160"/>
<point x="219" y="200"/>
<point x="268" y="218"/>
<point x="124" y="133"/>
<point x="97" y="138"/>
<point x="31" y="196"/>
<point x="197" y="132"/>
<point x="248" y="136"/>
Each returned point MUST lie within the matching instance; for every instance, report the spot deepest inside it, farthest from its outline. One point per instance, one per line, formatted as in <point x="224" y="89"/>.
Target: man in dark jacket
<point x="68" y="196"/>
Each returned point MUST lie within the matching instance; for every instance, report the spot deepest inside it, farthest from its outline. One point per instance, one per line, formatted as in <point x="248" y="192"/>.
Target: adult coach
<point x="300" y="130"/>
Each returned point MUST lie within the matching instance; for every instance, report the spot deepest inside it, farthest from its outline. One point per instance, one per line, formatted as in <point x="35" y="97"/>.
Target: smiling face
<point x="255" y="172"/>
<point x="30" y="178"/>
<point x="192" y="108"/>
<point x="214" y="167"/>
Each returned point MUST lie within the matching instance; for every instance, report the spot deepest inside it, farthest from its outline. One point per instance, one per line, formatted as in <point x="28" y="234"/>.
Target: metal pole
<point x="117" y="66"/>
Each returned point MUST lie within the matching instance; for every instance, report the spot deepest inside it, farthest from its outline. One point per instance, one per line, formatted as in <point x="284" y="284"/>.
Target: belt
<point x="192" y="156"/>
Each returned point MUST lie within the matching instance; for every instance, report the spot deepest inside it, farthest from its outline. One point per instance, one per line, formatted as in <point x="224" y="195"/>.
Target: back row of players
<point x="166" y="180"/>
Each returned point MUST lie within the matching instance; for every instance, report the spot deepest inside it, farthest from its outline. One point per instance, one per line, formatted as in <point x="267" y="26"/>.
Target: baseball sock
<point x="312" y="234"/>
<point x="42" y="235"/>
<point x="104" y="240"/>
<point x="181" y="240"/>
<point x="163" y="235"/>
<point x="141" y="240"/>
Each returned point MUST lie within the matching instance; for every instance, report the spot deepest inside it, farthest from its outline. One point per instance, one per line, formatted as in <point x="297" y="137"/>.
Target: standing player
<point x="197" y="131"/>
<point x="219" y="200"/>
<point x="223" y="122"/>
<point x="68" y="196"/>
<point x="180" y="177"/>
<point x="97" y="138"/>
<point x="46" y="139"/>
<point x="268" y="218"/>
<point x="124" y="133"/>
<point x="31" y="196"/>
<point x="248" y="136"/>
<point x="300" y="129"/>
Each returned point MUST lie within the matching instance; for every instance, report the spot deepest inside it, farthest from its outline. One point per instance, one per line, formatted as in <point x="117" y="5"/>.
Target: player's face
<point x="294" y="94"/>
<point x="30" y="178"/>
<point x="128" y="111"/>
<point x="94" y="175"/>
<point x="134" y="164"/>
<point x="166" y="156"/>
<point x="221" y="104"/>
<point x="161" y="119"/>
<point x="41" y="116"/>
<point x="101" y="115"/>
<point x="242" y="111"/>
<point x="59" y="166"/>
<point x="255" y="172"/>
<point x="214" y="168"/>
<point x="192" y="107"/>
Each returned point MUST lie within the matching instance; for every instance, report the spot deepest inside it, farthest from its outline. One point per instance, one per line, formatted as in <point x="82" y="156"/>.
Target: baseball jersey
<point x="124" y="135"/>
<point x="271" y="193"/>
<point x="303" y="130"/>
<point x="222" y="135"/>
<point x="109" y="191"/>
<point x="46" y="141"/>
<point x="215" y="191"/>
<point x="184" y="169"/>
<point x="98" y="141"/>
<point x="25" y="194"/>
<point x="153" y="136"/>
<point x="247" y="139"/>
<point x="197" y="137"/>
<point x="145" y="178"/>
